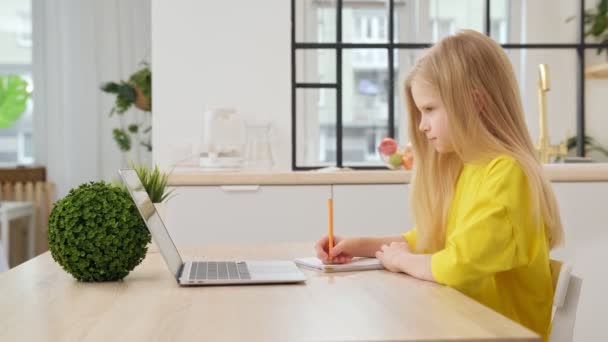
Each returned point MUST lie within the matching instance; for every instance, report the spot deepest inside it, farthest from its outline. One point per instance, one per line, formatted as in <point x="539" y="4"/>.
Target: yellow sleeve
<point x="410" y="238"/>
<point x="486" y="240"/>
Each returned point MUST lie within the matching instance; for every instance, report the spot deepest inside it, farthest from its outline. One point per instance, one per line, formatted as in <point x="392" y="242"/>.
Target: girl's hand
<point x="340" y="254"/>
<point x="392" y="256"/>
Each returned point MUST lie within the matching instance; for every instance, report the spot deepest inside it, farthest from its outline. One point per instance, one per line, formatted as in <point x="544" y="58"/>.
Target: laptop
<point x="197" y="273"/>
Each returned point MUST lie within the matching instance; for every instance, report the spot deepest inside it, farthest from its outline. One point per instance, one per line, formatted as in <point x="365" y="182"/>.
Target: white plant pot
<point x="161" y="209"/>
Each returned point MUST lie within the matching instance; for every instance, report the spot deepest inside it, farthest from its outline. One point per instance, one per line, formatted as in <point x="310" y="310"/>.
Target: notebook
<point x="357" y="264"/>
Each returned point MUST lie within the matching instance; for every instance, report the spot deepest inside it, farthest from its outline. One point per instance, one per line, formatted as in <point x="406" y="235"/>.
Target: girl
<point x="486" y="216"/>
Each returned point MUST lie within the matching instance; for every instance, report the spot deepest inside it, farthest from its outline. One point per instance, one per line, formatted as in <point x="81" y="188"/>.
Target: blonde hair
<point x="475" y="80"/>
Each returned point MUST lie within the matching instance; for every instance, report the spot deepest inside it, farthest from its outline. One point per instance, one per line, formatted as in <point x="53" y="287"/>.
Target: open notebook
<point x="357" y="264"/>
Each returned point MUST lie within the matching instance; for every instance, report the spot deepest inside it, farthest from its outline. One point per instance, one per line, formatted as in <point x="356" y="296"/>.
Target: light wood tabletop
<point x="41" y="302"/>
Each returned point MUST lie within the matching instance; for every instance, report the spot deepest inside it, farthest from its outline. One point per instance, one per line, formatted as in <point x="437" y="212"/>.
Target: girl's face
<point x="434" y="119"/>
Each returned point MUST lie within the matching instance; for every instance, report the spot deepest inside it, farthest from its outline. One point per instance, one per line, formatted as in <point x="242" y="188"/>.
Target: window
<point x="16" y="145"/>
<point x="348" y="57"/>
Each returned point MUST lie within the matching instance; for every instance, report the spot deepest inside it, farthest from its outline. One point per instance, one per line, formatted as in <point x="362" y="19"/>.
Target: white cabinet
<point x="266" y="213"/>
<point x="371" y="209"/>
<point x="199" y="215"/>
<point x="584" y="210"/>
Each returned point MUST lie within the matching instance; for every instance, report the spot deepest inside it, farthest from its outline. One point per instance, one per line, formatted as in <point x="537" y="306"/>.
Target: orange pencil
<point x="330" y="234"/>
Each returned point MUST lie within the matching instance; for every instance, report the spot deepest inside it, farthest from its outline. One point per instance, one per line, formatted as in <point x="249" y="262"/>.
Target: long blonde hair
<point x="475" y="80"/>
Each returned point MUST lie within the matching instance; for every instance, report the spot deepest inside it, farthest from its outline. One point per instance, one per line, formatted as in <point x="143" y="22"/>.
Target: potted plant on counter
<point x="155" y="183"/>
<point x="137" y="92"/>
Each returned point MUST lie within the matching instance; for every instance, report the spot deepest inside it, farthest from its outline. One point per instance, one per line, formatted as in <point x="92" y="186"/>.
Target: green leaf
<point x="143" y="79"/>
<point x="13" y="99"/>
<point x="147" y="145"/>
<point x="602" y="7"/>
<point x="133" y="128"/>
<point x="154" y="182"/>
<point x="110" y="87"/>
<point x="599" y="25"/>
<point x="122" y="139"/>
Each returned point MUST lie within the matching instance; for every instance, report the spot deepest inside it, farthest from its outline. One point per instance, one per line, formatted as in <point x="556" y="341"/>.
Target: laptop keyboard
<point x="220" y="270"/>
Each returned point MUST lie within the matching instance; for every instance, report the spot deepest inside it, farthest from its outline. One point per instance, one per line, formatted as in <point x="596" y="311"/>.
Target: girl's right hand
<point x="341" y="253"/>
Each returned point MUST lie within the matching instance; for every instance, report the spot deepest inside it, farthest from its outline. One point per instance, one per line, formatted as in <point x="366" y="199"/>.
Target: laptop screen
<point x="153" y="221"/>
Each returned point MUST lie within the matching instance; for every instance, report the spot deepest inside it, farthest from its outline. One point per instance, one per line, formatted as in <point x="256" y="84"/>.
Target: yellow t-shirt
<point x="495" y="253"/>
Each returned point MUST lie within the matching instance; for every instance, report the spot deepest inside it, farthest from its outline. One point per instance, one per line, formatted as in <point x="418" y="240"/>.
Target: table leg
<point x="32" y="235"/>
<point x="5" y="237"/>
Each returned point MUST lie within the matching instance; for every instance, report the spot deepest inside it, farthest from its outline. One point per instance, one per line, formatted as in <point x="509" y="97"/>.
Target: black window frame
<point x="581" y="46"/>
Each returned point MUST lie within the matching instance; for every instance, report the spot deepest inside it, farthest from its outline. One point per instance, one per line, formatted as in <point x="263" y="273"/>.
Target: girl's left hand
<point x="392" y="256"/>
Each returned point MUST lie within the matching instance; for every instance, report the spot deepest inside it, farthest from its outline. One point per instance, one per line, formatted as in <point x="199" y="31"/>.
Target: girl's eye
<point x="427" y="109"/>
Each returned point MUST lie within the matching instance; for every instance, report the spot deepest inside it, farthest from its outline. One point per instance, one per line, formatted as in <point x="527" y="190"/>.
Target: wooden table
<point x="39" y="302"/>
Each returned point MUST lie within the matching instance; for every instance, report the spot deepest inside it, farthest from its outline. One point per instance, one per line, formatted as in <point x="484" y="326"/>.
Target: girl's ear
<point x="479" y="100"/>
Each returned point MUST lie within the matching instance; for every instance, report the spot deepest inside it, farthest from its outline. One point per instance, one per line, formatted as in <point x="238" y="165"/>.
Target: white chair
<point x="567" y="289"/>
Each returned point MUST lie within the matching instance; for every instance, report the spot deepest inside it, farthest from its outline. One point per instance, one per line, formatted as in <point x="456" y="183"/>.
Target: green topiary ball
<point x="96" y="233"/>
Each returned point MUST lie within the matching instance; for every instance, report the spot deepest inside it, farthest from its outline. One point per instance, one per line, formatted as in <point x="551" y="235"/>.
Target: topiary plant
<point x="96" y="233"/>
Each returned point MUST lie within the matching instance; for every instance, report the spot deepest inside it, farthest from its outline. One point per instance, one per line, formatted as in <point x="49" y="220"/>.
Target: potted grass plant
<point x="155" y="183"/>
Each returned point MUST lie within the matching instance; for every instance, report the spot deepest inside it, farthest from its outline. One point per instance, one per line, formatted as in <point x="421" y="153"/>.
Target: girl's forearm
<point x="368" y="246"/>
<point x="418" y="266"/>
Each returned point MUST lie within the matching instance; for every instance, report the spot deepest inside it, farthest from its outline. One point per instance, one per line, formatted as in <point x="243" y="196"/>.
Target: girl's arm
<point x="397" y="257"/>
<point x="347" y="248"/>
<point x="418" y="266"/>
<point x="368" y="246"/>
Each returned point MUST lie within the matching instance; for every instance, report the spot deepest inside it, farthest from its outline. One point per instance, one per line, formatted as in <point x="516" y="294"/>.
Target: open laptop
<point x="205" y="272"/>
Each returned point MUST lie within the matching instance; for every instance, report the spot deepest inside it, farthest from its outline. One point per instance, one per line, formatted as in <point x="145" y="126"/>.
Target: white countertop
<point x="588" y="172"/>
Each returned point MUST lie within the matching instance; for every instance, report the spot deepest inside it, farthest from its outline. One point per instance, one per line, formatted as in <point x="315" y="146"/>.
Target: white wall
<point x="219" y="53"/>
<point x="209" y="53"/>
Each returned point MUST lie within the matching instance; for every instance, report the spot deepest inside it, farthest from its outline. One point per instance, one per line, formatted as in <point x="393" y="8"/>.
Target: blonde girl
<point x="485" y="214"/>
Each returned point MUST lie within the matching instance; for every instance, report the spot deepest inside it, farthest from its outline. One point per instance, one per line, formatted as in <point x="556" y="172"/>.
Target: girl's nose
<point x="423" y="127"/>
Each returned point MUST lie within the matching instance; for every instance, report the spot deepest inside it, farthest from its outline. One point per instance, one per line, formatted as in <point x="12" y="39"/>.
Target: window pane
<point x="315" y="21"/>
<point x="591" y="8"/>
<point x="16" y="153"/>
<point x="315" y="127"/>
<point x="8" y="148"/>
<point x="15" y="59"/>
<point x="316" y="66"/>
<point x="364" y="104"/>
<point x="406" y="58"/>
<point x="429" y="21"/>
<point x="15" y="32"/>
<point x="596" y="120"/>
<point x="538" y="21"/>
<point x="365" y="22"/>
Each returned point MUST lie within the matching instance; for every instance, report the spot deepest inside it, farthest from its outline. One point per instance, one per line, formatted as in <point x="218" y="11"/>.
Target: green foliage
<point x="126" y="93"/>
<point x="96" y="233"/>
<point x="13" y="99"/>
<point x="143" y="80"/>
<point x="122" y="139"/>
<point x="154" y="181"/>
<point x="591" y="145"/>
<point x="596" y="21"/>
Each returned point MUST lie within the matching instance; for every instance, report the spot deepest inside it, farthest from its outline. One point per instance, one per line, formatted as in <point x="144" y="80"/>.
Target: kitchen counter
<point x="588" y="172"/>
